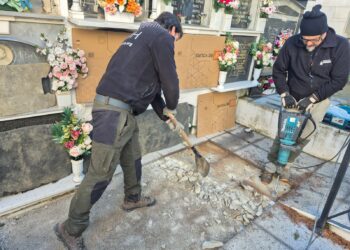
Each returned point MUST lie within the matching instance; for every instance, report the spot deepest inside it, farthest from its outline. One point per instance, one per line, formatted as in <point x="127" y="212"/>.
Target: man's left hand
<point x="306" y="103"/>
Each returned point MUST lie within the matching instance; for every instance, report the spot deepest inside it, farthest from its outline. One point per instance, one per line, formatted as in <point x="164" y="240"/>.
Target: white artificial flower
<point x="51" y="57"/>
<point x="87" y="140"/>
<point x="61" y="83"/>
<point x="54" y="86"/>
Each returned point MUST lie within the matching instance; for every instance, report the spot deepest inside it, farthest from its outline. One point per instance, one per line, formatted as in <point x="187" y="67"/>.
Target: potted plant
<point x="66" y="64"/>
<point x="262" y="55"/>
<point x="227" y="59"/>
<point x="121" y="10"/>
<point x="74" y="134"/>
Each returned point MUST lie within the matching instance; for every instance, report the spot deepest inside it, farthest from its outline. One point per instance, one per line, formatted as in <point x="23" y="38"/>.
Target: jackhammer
<point x="291" y="124"/>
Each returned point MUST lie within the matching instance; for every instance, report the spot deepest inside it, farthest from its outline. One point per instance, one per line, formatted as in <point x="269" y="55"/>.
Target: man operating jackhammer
<point x="311" y="67"/>
<point x="141" y="68"/>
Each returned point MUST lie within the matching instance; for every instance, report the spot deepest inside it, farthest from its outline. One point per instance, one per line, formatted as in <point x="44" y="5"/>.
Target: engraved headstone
<point x="274" y="27"/>
<point x="241" y="18"/>
<point x="191" y="10"/>
<point x="244" y="60"/>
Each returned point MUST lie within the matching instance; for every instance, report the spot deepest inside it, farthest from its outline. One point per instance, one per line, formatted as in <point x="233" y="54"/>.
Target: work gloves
<point x="288" y="101"/>
<point x="306" y="103"/>
<point x="173" y="124"/>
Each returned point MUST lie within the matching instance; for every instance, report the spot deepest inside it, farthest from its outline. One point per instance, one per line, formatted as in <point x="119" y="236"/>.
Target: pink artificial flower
<point x="58" y="75"/>
<point x="86" y="127"/>
<point x="69" y="144"/>
<point x="85" y="69"/>
<point x="83" y="59"/>
<point x="56" y="69"/>
<point x="75" y="134"/>
<point x="81" y="53"/>
<point x="72" y="66"/>
<point x="64" y="65"/>
<point x="75" y="151"/>
<point x="69" y="60"/>
<point x="50" y="75"/>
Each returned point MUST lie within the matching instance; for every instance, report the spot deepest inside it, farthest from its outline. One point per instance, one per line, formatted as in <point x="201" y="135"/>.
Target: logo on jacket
<point x="325" y="61"/>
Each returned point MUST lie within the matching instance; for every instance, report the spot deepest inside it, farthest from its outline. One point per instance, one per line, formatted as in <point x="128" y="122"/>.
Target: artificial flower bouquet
<point x="228" y="57"/>
<point x="66" y="63"/>
<point x="267" y="8"/>
<point x="74" y="134"/>
<point x="229" y="5"/>
<point x="266" y="82"/>
<point x="280" y="40"/>
<point x="262" y="54"/>
<point x="113" y="6"/>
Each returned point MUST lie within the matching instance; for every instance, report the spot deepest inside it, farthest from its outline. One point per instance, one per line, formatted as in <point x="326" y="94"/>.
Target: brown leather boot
<point x="71" y="242"/>
<point x="142" y="201"/>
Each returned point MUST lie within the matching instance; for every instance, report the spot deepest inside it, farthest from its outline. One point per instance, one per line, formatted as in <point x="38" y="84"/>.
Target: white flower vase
<point x="64" y="99"/>
<point x="123" y="17"/>
<point x="257" y="73"/>
<point x="77" y="169"/>
<point x="227" y="22"/>
<point x="216" y="18"/>
<point x="261" y="24"/>
<point x="222" y="79"/>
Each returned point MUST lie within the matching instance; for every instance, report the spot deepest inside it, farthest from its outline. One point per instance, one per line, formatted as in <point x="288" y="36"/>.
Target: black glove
<point x="306" y="103"/>
<point x="288" y="101"/>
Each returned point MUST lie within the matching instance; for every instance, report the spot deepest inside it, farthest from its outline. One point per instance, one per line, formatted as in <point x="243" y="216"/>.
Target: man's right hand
<point x="288" y="101"/>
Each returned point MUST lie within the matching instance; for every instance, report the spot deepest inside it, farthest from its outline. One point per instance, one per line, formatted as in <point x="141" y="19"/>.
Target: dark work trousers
<point x="318" y="111"/>
<point x="114" y="141"/>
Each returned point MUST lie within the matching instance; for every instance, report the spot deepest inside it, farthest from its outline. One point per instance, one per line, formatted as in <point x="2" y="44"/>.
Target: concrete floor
<point x="228" y="206"/>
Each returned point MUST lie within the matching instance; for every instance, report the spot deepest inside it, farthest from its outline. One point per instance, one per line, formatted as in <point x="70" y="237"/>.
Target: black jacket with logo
<point x="141" y="68"/>
<point x="322" y="72"/>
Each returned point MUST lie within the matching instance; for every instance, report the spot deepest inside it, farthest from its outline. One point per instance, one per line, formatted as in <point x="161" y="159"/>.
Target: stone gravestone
<point x="241" y="17"/>
<point x="241" y="71"/>
<point x="191" y="9"/>
<point x="288" y="18"/>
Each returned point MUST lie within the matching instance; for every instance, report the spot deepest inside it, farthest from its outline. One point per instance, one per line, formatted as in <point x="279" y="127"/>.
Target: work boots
<point x="135" y="201"/>
<point x="71" y="242"/>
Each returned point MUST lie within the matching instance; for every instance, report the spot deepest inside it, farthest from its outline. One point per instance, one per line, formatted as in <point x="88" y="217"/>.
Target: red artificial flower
<point x="75" y="134"/>
<point x="69" y="144"/>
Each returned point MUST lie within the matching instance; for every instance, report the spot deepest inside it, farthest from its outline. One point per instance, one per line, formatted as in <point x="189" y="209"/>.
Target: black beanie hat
<point x="314" y="22"/>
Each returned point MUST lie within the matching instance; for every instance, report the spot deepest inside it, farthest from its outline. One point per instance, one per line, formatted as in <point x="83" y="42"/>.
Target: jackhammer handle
<point x="182" y="133"/>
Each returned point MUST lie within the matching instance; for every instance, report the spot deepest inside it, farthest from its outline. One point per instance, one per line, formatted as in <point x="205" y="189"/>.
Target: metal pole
<point x="321" y="222"/>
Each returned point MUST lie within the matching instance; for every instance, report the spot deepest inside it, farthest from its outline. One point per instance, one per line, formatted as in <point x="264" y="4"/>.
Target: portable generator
<point x="291" y="124"/>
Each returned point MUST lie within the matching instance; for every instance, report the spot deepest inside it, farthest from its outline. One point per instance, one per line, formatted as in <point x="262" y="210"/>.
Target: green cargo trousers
<point x="318" y="111"/>
<point x="114" y="141"/>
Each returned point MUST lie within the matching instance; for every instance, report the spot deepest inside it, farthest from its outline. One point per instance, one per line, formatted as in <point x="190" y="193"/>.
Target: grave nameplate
<point x="244" y="60"/>
<point x="190" y="9"/>
<point x="274" y="27"/>
<point x="241" y="17"/>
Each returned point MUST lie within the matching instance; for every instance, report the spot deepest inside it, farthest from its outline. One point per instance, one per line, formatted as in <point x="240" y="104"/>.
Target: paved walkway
<point x="192" y="210"/>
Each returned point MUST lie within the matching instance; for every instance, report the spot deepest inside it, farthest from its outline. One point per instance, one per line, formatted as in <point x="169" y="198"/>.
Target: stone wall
<point x="29" y="158"/>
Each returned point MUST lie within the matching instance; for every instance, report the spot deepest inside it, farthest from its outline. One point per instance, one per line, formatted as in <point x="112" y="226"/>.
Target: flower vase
<point x="257" y="73"/>
<point x="216" y="18"/>
<point x="222" y="79"/>
<point x="227" y="22"/>
<point x="77" y="169"/>
<point x="121" y="17"/>
<point x="64" y="99"/>
<point x="261" y="24"/>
